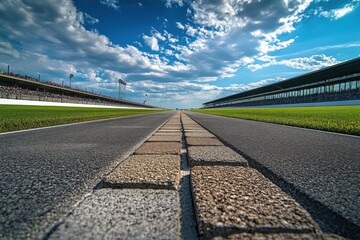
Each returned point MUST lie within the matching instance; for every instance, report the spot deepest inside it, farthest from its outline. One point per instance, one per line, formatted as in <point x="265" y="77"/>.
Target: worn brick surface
<point x="165" y="138"/>
<point x="167" y="134"/>
<point x="192" y="141"/>
<point x="230" y="199"/>
<point x="170" y="128"/>
<point x="202" y="134"/>
<point x="146" y="171"/>
<point x="214" y="155"/>
<point x="168" y="131"/>
<point x="159" y="148"/>
<point x="172" y="125"/>
<point x="202" y="130"/>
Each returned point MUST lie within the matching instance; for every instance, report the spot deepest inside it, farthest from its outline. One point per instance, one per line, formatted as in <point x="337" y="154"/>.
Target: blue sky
<point x="180" y="53"/>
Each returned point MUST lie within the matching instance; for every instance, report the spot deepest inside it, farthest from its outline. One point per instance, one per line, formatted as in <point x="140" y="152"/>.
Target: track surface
<point x="320" y="169"/>
<point x="44" y="172"/>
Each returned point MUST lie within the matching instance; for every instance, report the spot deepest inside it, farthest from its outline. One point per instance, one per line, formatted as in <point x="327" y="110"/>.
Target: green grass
<point x="14" y="117"/>
<point x="335" y="119"/>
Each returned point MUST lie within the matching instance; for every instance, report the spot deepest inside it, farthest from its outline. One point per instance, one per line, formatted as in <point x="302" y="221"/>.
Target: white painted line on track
<point x="68" y="124"/>
<point x="4" y="101"/>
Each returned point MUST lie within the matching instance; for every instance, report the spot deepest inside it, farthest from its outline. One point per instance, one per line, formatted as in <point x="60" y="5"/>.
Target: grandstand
<point x="339" y="82"/>
<point x="15" y="86"/>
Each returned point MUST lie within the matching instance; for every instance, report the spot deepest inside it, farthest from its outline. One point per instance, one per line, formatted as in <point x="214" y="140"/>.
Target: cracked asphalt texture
<point x="324" y="167"/>
<point x="45" y="172"/>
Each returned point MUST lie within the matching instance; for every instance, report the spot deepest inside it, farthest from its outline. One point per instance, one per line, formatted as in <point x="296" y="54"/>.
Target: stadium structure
<point x="339" y="82"/>
<point x="15" y="86"/>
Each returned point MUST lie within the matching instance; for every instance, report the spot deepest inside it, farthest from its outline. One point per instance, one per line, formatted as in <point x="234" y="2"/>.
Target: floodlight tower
<point x="123" y="83"/>
<point x="70" y="77"/>
<point x="145" y="95"/>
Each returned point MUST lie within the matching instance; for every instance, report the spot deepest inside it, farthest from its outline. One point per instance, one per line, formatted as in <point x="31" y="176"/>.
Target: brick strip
<point x="146" y="171"/>
<point x="159" y="148"/>
<point x="214" y="155"/>
<point x="193" y="141"/>
<point x="232" y="199"/>
<point x="165" y="138"/>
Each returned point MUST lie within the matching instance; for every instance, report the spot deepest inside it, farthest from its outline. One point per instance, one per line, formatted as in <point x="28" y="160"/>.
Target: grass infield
<point x="16" y="117"/>
<point x="344" y="119"/>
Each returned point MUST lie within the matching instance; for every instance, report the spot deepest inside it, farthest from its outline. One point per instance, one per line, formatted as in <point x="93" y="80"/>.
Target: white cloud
<point x="152" y="42"/>
<point x="180" y="26"/>
<point x="169" y="3"/>
<point x="140" y="4"/>
<point x="335" y="14"/>
<point x="164" y="94"/>
<point x="312" y="63"/>
<point x="111" y="4"/>
<point x="7" y="49"/>
<point x="89" y="19"/>
<point x="222" y="33"/>
<point x="266" y="46"/>
<point x="159" y="36"/>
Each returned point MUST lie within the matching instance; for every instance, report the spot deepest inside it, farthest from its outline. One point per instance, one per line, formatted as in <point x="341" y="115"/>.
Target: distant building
<point x="339" y="82"/>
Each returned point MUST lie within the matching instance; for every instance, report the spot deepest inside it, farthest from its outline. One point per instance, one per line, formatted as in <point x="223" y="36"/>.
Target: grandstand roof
<point x="338" y="70"/>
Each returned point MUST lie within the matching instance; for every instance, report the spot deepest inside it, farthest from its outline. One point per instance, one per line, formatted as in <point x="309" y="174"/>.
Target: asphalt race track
<point x="44" y="172"/>
<point x="320" y="169"/>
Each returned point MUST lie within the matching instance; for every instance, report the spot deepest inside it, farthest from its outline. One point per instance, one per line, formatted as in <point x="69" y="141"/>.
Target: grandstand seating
<point x="336" y="83"/>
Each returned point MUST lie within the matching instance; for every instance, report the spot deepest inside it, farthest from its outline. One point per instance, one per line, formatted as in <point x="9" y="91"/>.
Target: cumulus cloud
<point x="216" y="50"/>
<point x="111" y="4"/>
<point x="312" y="63"/>
<point x="169" y="3"/>
<point x="67" y="40"/>
<point x="335" y="14"/>
<point x="222" y="33"/>
<point x="6" y="48"/>
<point x="164" y="94"/>
<point x="152" y="42"/>
<point x="180" y="26"/>
<point x="89" y="19"/>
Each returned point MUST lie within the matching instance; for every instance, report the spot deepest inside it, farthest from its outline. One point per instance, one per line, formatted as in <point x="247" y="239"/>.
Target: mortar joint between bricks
<point x="188" y="223"/>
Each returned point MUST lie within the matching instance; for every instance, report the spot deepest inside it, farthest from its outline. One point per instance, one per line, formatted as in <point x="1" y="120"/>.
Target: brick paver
<point x="164" y="138"/>
<point x="146" y="171"/>
<point x="168" y="134"/>
<point x="214" y="155"/>
<point x="192" y="141"/>
<point x="159" y="148"/>
<point x="202" y="134"/>
<point x="230" y="199"/>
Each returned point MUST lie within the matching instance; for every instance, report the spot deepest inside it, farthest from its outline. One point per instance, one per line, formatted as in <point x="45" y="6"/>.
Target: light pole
<point x="145" y="95"/>
<point x="70" y="77"/>
<point x="119" y="87"/>
<point x="121" y="82"/>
